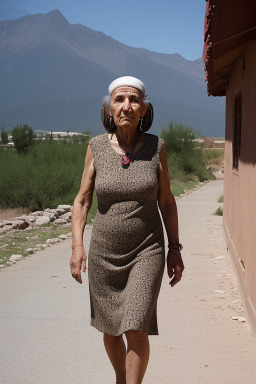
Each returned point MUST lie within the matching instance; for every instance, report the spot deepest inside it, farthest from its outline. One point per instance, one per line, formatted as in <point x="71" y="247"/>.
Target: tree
<point x="49" y="136"/>
<point x="23" y="138"/>
<point x="4" y="136"/>
<point x="87" y="133"/>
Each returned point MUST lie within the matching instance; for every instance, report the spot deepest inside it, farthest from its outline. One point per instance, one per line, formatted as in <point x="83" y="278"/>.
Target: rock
<point x="45" y="245"/>
<point x="15" y="258"/>
<point x="69" y="234"/>
<point x="47" y="210"/>
<point x="67" y="215"/>
<point x="218" y="291"/>
<point x="51" y="215"/>
<point x="63" y="237"/>
<point x="53" y="211"/>
<point x="23" y="225"/>
<point x="7" y="222"/>
<point x="241" y="319"/>
<point x="60" y="211"/>
<point x="65" y="207"/>
<point x="37" y="213"/>
<point x="4" y="245"/>
<point x="39" y="246"/>
<point x="32" y="219"/>
<point x="2" y="266"/>
<point x="7" y="227"/>
<point x="60" y="221"/>
<point x="42" y="220"/>
<point x="50" y="241"/>
<point x="29" y="250"/>
<point x="9" y="263"/>
<point x="16" y="224"/>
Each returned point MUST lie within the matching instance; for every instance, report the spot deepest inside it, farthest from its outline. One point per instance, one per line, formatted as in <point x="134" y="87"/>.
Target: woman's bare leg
<point x="116" y="351"/>
<point x="137" y="356"/>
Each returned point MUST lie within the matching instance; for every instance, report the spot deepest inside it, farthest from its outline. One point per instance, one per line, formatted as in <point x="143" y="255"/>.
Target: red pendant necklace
<point x="126" y="156"/>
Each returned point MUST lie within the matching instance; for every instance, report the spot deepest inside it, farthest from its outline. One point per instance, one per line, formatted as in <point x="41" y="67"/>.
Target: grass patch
<point x="219" y="211"/>
<point x="220" y="199"/>
<point x="212" y="153"/>
<point x="18" y="241"/>
<point x="180" y="187"/>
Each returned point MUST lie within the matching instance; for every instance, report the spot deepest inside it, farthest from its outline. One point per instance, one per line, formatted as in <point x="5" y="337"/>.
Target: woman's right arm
<point x="82" y="205"/>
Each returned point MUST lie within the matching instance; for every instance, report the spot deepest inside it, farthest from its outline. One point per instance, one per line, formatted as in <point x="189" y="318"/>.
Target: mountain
<point x="11" y="13"/>
<point x="54" y="75"/>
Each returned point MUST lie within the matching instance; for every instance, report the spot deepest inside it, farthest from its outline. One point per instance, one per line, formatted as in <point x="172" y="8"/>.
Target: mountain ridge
<point x="12" y="13"/>
<point x="59" y="63"/>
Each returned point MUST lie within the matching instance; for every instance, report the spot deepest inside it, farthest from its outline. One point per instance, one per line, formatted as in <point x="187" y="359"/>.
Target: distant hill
<point x="54" y="74"/>
<point x="11" y="13"/>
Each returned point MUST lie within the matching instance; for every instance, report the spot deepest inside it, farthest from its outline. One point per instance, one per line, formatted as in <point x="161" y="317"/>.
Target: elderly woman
<point x="129" y="171"/>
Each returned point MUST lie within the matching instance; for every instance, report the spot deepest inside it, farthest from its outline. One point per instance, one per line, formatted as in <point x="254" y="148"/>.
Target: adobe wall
<point x="240" y="186"/>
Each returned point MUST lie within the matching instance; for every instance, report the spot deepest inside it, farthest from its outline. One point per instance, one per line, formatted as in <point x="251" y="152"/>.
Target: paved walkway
<point x="44" y="322"/>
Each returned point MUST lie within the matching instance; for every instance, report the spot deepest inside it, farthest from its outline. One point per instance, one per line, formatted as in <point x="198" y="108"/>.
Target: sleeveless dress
<point x="126" y="255"/>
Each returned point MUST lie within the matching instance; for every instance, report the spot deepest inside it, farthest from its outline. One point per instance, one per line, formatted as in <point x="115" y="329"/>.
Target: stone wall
<point x="60" y="215"/>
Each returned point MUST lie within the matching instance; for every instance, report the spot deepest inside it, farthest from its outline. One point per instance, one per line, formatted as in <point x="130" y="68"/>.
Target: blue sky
<point x="166" y="26"/>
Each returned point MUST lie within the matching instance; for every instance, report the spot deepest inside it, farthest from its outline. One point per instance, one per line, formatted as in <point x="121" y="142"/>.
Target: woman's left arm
<point x="168" y="208"/>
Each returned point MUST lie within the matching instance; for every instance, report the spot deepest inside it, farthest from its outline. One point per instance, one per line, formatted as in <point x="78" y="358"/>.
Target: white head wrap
<point x="128" y="81"/>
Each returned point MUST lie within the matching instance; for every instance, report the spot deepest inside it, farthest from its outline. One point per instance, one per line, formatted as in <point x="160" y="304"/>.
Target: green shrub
<point x="23" y="138"/>
<point x="4" y="136"/>
<point x="49" y="175"/>
<point x="184" y="154"/>
<point x="212" y="153"/>
<point x="219" y="211"/>
<point x="220" y="199"/>
<point x="179" y="138"/>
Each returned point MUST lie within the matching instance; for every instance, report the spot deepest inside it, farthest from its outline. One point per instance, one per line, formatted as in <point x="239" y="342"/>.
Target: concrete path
<point x="44" y="322"/>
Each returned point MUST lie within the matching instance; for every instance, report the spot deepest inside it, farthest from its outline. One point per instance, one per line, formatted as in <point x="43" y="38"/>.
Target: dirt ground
<point x="11" y="213"/>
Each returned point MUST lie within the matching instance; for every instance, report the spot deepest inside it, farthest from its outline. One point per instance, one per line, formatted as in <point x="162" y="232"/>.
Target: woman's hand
<point x="175" y="266"/>
<point x="78" y="262"/>
<point x="81" y="207"/>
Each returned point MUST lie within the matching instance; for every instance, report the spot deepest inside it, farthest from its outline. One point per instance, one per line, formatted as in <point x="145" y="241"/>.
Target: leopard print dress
<point x="126" y="255"/>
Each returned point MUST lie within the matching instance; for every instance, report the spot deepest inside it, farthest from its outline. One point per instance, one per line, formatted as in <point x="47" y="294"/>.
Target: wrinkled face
<point x="127" y="107"/>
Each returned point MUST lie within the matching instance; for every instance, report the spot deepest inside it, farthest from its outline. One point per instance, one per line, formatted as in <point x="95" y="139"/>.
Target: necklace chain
<point x="132" y="145"/>
<point x="126" y="155"/>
